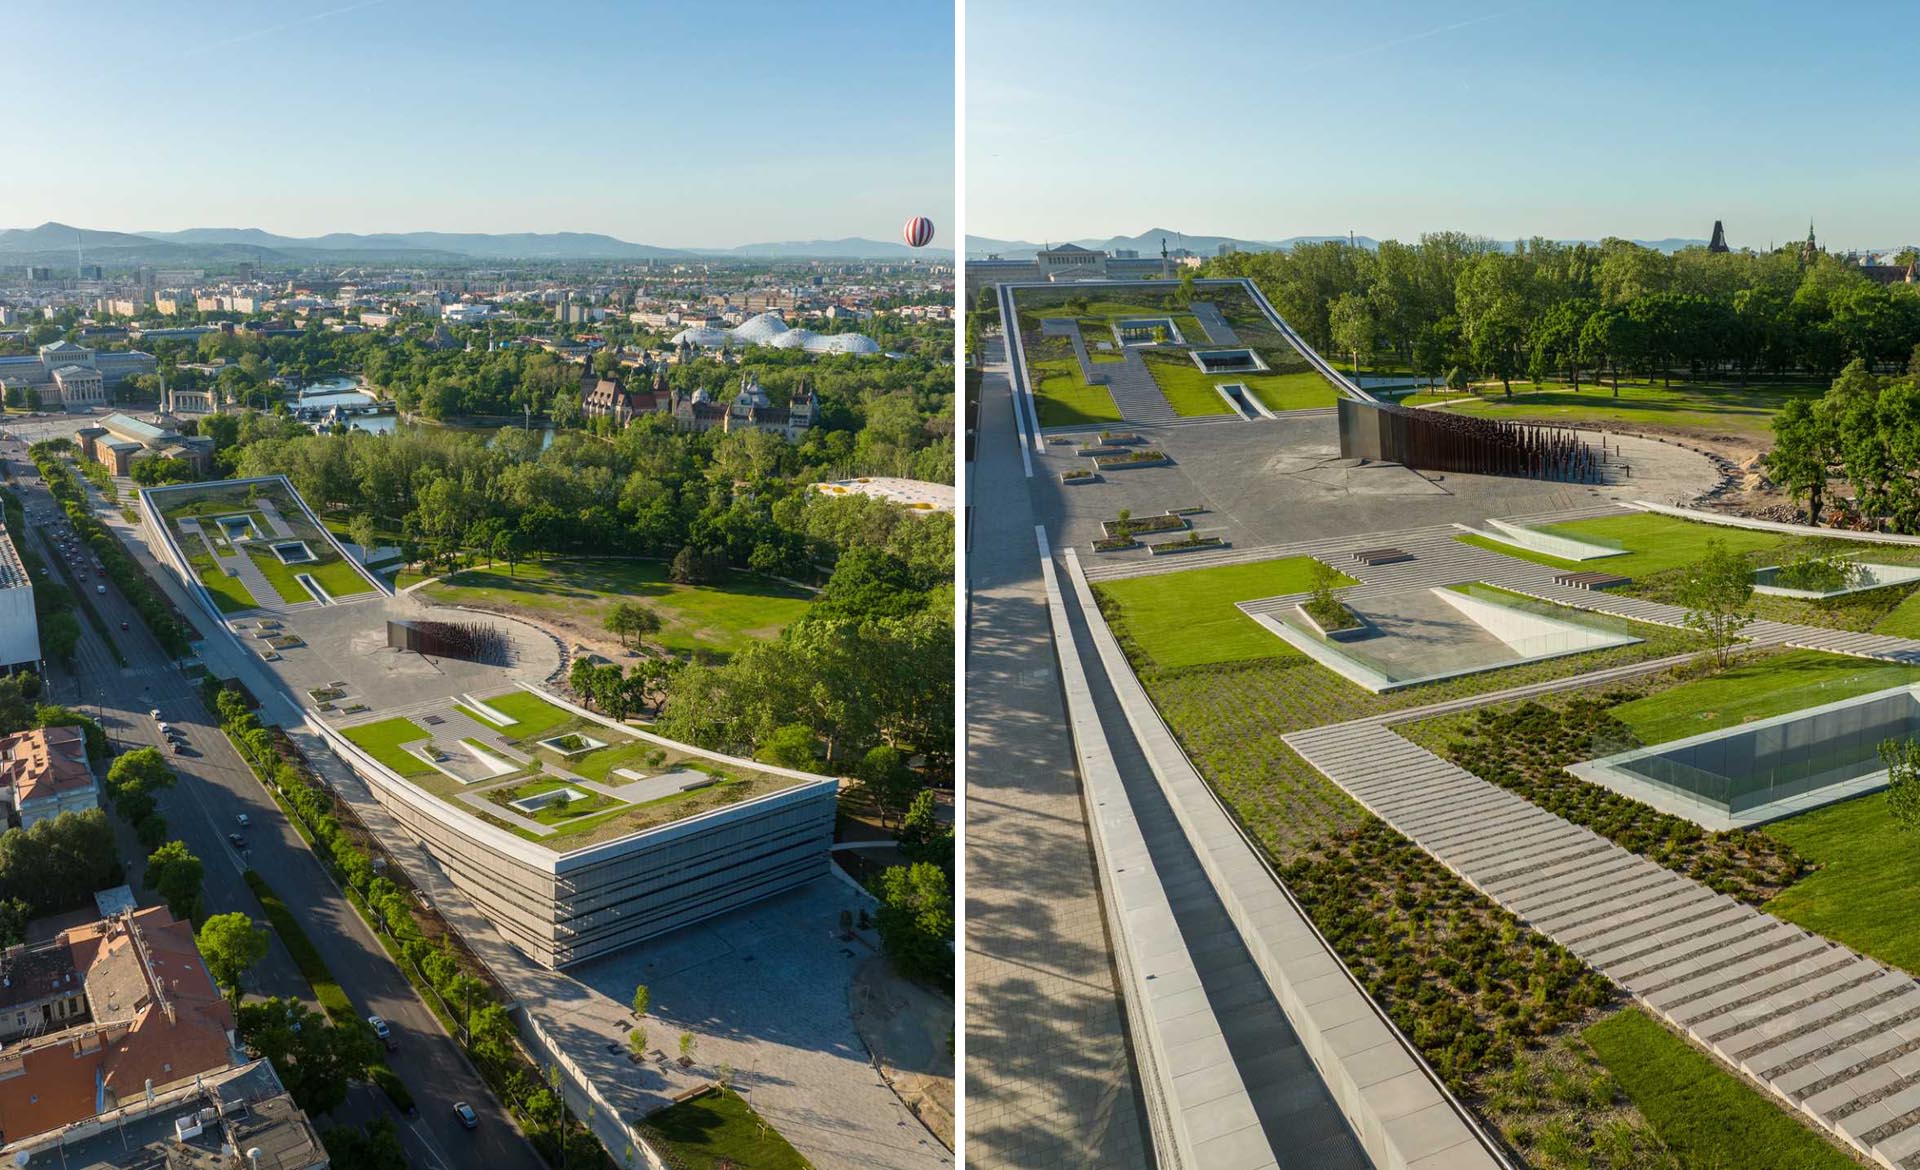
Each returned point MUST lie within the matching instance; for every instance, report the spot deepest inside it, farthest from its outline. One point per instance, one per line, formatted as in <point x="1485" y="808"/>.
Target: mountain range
<point x="1147" y="243"/>
<point x="55" y="244"/>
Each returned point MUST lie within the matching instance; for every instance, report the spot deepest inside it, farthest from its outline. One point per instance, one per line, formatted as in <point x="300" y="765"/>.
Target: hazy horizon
<point x="1391" y="118"/>
<point x="658" y="125"/>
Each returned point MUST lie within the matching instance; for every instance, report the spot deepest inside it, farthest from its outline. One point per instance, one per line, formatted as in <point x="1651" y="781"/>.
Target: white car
<point x="154" y="714"/>
<point x="242" y="819"/>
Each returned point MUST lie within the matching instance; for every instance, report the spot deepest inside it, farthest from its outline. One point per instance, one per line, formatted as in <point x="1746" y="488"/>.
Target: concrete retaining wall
<point x="1405" y="1119"/>
<point x="1199" y="1113"/>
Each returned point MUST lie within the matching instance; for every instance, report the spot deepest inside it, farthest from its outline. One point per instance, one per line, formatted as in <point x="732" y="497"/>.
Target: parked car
<point x="242" y="819"/>
<point x="154" y="714"/>
<point x="467" y="1116"/>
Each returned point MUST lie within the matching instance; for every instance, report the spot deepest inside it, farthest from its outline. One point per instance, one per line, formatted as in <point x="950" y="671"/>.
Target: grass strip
<point x="305" y="955"/>
<point x="1704" y="1113"/>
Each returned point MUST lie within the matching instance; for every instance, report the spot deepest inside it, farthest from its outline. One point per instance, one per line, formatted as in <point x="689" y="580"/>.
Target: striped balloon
<point x="918" y="232"/>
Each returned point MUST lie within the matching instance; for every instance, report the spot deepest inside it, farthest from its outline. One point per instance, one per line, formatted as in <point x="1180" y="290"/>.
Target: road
<point x="214" y="786"/>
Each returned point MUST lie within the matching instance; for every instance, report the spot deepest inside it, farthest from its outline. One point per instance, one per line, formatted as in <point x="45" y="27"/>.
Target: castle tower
<point x="1719" y="241"/>
<point x="1809" y="250"/>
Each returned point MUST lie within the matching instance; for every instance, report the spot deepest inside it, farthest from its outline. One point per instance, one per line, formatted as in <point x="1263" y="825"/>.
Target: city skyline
<point x="1635" y="120"/>
<point x="836" y="126"/>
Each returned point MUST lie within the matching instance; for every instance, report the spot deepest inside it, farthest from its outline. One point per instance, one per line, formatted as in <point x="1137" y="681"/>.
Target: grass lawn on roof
<point x="1770" y="686"/>
<point x="1741" y="411"/>
<point x="1188" y="618"/>
<point x="1062" y="399"/>
<point x="1861" y="894"/>
<point x="533" y="716"/>
<point x="720" y="1128"/>
<point x="383" y="740"/>
<point x="1655" y="543"/>
<point x="338" y="578"/>
<point x="1188" y="389"/>
<point x="1705" y="1114"/>
<point x="578" y="594"/>
<point x="230" y="594"/>
<point x="1302" y="390"/>
<point x="279" y="574"/>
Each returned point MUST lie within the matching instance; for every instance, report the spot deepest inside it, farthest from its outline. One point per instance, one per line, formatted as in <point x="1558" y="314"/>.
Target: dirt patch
<point x="909" y="1032"/>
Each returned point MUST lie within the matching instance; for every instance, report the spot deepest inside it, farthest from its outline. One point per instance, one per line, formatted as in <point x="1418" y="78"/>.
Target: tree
<point x="1350" y="318"/>
<point x="1716" y="591"/>
<point x="887" y="783"/>
<point x="175" y="874"/>
<point x="790" y="746"/>
<point x="688" y="1041"/>
<point x="637" y="1040"/>
<point x="922" y="836"/>
<point x="631" y="620"/>
<point x="60" y="634"/>
<point x="315" y="1059"/>
<point x="916" y="921"/>
<point x="1902" y="758"/>
<point x="642" y="999"/>
<point x="377" y="1147"/>
<point x="363" y="531"/>
<point x="1805" y="446"/>
<point x="231" y="944"/>
<point x="691" y="566"/>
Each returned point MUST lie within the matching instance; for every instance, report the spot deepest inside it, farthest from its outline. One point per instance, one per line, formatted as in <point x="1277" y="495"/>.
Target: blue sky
<point x="1558" y="118"/>
<point x="664" y="123"/>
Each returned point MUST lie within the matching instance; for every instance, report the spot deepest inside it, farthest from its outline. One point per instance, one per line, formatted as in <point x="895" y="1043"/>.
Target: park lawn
<point x="338" y="578"/>
<point x="533" y="717"/>
<point x="1706" y="1114"/>
<point x="1302" y="390"/>
<point x="279" y="574"/>
<point x="719" y="1128"/>
<point x="1188" y="618"/>
<point x="720" y="618"/>
<point x="1769" y="686"/>
<point x="382" y="740"/>
<point x="1724" y="409"/>
<point x="1187" y="388"/>
<point x="1862" y="893"/>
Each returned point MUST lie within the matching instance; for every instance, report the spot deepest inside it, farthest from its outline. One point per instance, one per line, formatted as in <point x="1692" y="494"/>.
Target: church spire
<point x="1719" y="241"/>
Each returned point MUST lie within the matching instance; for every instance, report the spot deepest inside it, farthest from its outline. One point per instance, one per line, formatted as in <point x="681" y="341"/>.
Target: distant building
<point x="97" y="373"/>
<point x="43" y="773"/>
<point x="120" y="441"/>
<point x="125" y="1005"/>
<point x="465" y="314"/>
<point x="1719" y="241"/>
<point x="750" y="409"/>
<point x="1071" y="262"/>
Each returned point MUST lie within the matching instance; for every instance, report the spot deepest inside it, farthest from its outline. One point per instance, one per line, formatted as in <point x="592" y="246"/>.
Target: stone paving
<point x="1136" y="393"/>
<point x="1049" y="1079"/>
<point x="1218" y="331"/>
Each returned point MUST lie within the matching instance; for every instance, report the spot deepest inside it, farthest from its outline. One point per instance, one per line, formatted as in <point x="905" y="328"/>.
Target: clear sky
<point x="1563" y="118"/>
<point x="670" y="123"/>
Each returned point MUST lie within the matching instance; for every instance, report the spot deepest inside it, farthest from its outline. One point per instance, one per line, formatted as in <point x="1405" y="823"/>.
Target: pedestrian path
<point x="1135" y="392"/>
<point x="1218" y="331"/>
<point x="1832" y="1032"/>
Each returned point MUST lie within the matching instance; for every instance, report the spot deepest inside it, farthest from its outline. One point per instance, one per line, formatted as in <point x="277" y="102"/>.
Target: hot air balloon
<point x="918" y="232"/>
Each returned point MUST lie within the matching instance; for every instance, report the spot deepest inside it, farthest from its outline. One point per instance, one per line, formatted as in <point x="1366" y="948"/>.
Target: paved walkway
<point x="1218" y="331"/>
<point x="1136" y="393"/>
<point x="1049" y="1079"/>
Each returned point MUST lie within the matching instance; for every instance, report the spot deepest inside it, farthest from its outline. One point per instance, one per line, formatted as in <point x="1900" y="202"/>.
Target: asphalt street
<point x="215" y="786"/>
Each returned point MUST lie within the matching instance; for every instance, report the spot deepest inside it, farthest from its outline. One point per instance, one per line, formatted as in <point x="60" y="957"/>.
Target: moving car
<point x="242" y="818"/>
<point x="467" y="1116"/>
<point x="100" y="589"/>
<point x="236" y="840"/>
<point x="385" y="1033"/>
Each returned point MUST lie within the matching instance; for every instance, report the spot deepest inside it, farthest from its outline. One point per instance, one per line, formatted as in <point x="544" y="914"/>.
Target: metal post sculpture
<point x="466" y="641"/>
<point x="1430" y="440"/>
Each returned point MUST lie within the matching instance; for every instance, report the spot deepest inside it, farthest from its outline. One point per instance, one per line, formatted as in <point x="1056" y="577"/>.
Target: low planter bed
<point x="1148" y="525"/>
<point x="1188" y="545"/>
<point x="1343" y="626"/>
<point x="1132" y="459"/>
<point x="1097" y="452"/>
<point x="1071" y="478"/>
<point x="1195" y="511"/>
<point x="1109" y="439"/>
<point x="1114" y="544"/>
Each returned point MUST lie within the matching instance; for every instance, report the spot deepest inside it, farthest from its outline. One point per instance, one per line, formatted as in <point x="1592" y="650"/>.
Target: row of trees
<point x="1543" y="309"/>
<point x="1863" y="432"/>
